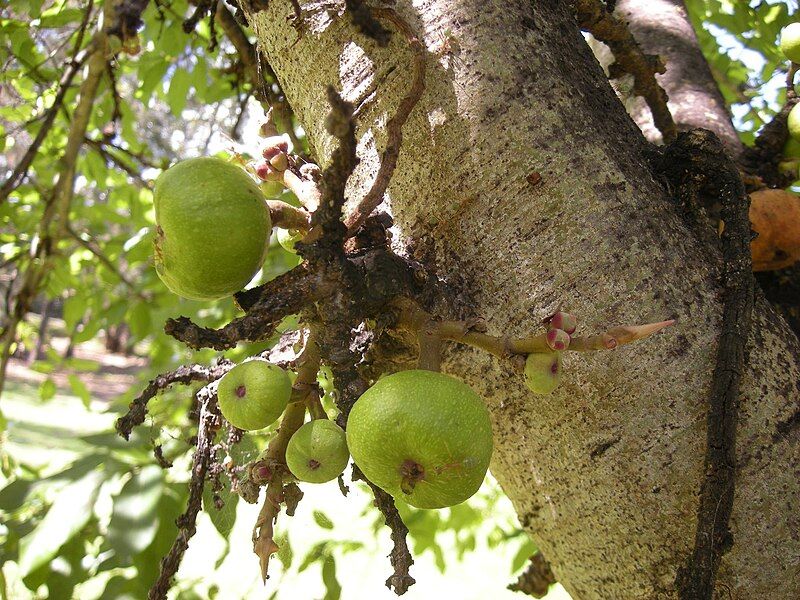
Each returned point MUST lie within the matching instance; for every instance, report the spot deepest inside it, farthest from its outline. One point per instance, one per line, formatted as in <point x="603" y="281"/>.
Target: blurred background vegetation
<point x="83" y="514"/>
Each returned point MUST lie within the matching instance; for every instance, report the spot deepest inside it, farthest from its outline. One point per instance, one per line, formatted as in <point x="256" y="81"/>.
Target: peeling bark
<point x="605" y="472"/>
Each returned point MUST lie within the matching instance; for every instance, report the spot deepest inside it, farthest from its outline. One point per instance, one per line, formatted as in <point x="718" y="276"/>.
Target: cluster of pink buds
<point x="543" y="369"/>
<point x="276" y="158"/>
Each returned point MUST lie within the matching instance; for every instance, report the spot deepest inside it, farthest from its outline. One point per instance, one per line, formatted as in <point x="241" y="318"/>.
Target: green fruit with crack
<point x="254" y="394"/>
<point x="317" y="452"/>
<point x="213" y="228"/>
<point x="423" y="437"/>
<point x="543" y="372"/>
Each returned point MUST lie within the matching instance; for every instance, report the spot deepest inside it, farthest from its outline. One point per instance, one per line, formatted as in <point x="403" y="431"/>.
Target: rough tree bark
<point x="605" y="473"/>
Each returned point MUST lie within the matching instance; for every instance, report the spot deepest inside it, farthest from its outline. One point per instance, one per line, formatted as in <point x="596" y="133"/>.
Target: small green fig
<point x="543" y="371"/>
<point x="317" y="452"/>
<point x="790" y="42"/>
<point x="254" y="394"/>
<point x="793" y="122"/>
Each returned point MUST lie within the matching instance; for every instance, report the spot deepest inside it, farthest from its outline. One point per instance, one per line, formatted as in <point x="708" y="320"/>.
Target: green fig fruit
<point x="423" y="437"/>
<point x="790" y="42"/>
<point x="254" y="394"/>
<point x="543" y="371"/>
<point x="793" y="122"/>
<point x="213" y="228"/>
<point x="317" y="452"/>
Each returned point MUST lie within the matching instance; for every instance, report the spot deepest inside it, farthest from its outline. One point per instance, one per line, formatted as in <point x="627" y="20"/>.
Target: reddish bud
<point x="275" y="145"/>
<point x="279" y="162"/>
<point x="558" y="339"/>
<point x="264" y="170"/>
<point x="565" y="321"/>
<point x="261" y="473"/>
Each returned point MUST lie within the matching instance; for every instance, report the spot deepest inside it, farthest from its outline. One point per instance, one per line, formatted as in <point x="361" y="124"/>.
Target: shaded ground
<point x="114" y="375"/>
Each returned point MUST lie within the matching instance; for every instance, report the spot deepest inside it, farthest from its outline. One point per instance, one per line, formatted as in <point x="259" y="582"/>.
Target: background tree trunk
<point x="605" y="472"/>
<point x="663" y="28"/>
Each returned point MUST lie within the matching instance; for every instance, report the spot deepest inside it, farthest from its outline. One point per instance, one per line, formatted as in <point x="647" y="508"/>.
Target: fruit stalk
<point x="308" y="365"/>
<point x="286" y="216"/>
<point x="414" y="318"/>
<point x="306" y="190"/>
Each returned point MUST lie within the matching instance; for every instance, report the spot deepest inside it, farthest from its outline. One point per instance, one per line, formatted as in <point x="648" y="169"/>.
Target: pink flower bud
<point x="275" y="145"/>
<point x="279" y="162"/>
<point x="565" y="321"/>
<point x="264" y="170"/>
<point x="558" y="339"/>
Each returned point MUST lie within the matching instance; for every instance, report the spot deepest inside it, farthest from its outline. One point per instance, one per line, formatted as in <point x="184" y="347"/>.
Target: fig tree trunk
<point x="522" y="183"/>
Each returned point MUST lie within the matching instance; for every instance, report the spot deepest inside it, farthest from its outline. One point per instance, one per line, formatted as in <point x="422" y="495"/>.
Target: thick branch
<point x="594" y="18"/>
<point x="265" y="305"/>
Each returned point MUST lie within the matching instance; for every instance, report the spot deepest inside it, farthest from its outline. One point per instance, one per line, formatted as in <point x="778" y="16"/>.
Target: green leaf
<point x="47" y="389"/>
<point x="139" y="320"/>
<point x="224" y="518"/>
<point x="322" y="520"/>
<point x="59" y="17"/>
<point x="525" y="551"/>
<point x="74" y="307"/>
<point x="313" y="556"/>
<point x="333" y="591"/>
<point x="178" y="91"/>
<point x="134" y="521"/>
<point x="79" y="389"/>
<point x="68" y="514"/>
<point x="285" y="553"/>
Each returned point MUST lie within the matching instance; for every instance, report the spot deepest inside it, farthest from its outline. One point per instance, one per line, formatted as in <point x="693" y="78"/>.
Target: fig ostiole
<point x="422" y="436"/>
<point x="212" y="228"/>
<point x="254" y="394"/>
<point x="317" y="452"/>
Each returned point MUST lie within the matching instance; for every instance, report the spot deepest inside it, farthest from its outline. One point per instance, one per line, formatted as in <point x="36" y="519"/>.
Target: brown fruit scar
<point x="412" y="472"/>
<point x="241" y="391"/>
<point x="313" y="464"/>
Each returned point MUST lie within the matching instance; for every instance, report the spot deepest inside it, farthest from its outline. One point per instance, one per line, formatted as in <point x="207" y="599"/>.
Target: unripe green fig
<point x="213" y="228"/>
<point x="790" y="42"/>
<point x="793" y="122"/>
<point x="543" y="371"/>
<point x="254" y="394"/>
<point x="791" y="149"/>
<point x="423" y="437"/>
<point x="317" y="452"/>
<point x="272" y="188"/>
